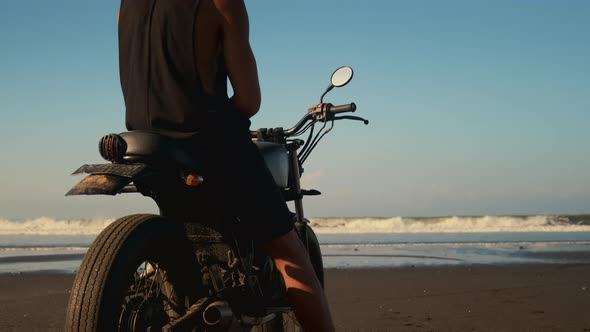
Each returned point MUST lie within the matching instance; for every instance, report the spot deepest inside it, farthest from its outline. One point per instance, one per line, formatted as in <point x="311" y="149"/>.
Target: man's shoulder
<point x="229" y="6"/>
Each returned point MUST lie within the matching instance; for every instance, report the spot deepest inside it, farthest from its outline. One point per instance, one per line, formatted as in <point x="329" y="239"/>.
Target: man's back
<point x="175" y="58"/>
<point x="172" y="70"/>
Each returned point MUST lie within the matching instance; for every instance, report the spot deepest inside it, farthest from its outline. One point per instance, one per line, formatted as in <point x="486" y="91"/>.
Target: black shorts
<point x="239" y="183"/>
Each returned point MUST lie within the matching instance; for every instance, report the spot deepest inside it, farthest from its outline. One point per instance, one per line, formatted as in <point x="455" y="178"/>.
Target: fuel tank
<point x="276" y="157"/>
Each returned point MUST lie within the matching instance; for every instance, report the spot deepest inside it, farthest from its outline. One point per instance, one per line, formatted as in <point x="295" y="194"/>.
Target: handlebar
<point x="281" y="131"/>
<point x="341" y="108"/>
<point x="321" y="112"/>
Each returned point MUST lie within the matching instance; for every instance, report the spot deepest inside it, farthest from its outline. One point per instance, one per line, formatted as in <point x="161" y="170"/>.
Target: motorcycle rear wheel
<point x="135" y="276"/>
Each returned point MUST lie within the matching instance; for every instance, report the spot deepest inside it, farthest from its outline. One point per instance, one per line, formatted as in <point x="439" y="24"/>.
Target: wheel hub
<point x="142" y="314"/>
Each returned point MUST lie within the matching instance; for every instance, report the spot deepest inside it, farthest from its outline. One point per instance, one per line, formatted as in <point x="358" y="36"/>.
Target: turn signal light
<point x="193" y="180"/>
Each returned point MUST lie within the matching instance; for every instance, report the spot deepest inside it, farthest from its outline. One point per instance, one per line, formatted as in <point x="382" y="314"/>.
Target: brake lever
<point x="350" y="117"/>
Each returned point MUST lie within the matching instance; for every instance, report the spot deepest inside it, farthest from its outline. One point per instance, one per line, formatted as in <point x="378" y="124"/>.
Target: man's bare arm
<point x="239" y="57"/>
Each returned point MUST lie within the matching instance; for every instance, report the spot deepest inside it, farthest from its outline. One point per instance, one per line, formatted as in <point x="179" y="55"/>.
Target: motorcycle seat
<point x="152" y="148"/>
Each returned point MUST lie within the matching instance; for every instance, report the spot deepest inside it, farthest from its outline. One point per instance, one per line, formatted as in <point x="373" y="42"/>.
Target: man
<point x="175" y="58"/>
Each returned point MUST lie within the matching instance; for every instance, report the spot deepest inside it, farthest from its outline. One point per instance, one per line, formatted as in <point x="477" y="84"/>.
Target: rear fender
<point x="106" y="179"/>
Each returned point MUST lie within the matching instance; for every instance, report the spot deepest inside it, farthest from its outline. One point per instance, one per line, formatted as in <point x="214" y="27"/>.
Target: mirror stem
<point x="325" y="93"/>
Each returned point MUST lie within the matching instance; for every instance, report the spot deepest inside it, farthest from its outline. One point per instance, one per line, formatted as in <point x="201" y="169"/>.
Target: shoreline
<point x="392" y="269"/>
<point x="511" y="297"/>
<point x="357" y="256"/>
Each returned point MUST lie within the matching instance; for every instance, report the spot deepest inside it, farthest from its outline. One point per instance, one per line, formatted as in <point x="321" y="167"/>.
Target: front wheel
<point x="138" y="275"/>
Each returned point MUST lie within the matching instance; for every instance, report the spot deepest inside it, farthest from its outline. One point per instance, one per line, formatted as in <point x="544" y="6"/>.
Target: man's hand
<point x="239" y="57"/>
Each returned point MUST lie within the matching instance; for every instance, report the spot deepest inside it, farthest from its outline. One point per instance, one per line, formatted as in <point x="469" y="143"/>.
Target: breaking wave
<point x="50" y="226"/>
<point x="458" y="224"/>
<point x="484" y="224"/>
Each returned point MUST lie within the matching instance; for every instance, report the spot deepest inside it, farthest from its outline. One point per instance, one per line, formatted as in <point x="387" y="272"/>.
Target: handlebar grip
<point x="341" y="108"/>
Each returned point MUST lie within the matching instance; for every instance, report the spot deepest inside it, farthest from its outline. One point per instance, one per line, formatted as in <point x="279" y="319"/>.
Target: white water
<point x="485" y="224"/>
<point x="345" y="242"/>
<point x="50" y="226"/>
<point x="396" y="225"/>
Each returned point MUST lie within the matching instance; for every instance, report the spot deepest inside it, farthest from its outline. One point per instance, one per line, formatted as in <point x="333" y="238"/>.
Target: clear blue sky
<point x="476" y="107"/>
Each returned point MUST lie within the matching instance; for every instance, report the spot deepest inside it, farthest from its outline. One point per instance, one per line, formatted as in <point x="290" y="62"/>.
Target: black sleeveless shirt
<point x="160" y="82"/>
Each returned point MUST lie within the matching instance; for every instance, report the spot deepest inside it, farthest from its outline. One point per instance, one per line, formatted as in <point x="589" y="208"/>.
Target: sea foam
<point x="453" y="224"/>
<point x="50" y="226"/>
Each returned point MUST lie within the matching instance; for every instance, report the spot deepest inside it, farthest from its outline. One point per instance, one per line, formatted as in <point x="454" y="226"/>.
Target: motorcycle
<point x="180" y="270"/>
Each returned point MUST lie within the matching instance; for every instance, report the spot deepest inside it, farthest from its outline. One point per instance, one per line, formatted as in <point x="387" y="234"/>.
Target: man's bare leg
<point x="303" y="287"/>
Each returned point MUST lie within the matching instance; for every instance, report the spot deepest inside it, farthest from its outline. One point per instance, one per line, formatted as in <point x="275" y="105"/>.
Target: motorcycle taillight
<point x="112" y="147"/>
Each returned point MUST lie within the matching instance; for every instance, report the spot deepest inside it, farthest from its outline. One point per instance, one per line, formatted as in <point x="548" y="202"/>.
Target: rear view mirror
<point x="342" y="76"/>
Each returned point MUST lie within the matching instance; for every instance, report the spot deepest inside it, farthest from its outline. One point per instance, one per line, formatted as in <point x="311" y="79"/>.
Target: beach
<point x="512" y="297"/>
<point x="510" y="273"/>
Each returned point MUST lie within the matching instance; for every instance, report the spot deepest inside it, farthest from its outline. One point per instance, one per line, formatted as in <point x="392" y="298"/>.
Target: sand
<point x="460" y="298"/>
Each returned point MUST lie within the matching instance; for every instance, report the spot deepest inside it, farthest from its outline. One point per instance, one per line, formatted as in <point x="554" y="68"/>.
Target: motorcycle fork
<point x="300" y="221"/>
<point x="296" y="176"/>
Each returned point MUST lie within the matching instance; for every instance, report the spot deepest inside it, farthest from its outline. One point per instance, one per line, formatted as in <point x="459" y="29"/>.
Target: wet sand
<point x="460" y="298"/>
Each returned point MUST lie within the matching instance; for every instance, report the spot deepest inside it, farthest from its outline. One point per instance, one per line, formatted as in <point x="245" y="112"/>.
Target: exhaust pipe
<point x="218" y="314"/>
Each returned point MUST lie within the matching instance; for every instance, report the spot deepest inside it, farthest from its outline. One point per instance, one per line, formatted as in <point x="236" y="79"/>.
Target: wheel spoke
<point x="146" y="304"/>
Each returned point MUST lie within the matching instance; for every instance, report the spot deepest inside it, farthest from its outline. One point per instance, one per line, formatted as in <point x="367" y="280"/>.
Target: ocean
<point x="47" y="244"/>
